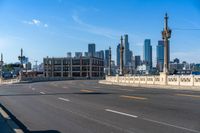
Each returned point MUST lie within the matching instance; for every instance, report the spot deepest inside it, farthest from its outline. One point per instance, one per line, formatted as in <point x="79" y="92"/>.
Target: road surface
<point x="88" y="107"/>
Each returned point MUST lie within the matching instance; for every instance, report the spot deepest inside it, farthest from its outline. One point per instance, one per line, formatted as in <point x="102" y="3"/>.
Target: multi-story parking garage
<point x="73" y="67"/>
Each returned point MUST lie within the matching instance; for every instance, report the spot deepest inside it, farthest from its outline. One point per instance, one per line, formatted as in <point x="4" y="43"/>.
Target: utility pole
<point x="21" y="58"/>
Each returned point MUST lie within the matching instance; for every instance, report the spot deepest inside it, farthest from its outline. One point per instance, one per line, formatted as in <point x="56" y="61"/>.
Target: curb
<point x="12" y="125"/>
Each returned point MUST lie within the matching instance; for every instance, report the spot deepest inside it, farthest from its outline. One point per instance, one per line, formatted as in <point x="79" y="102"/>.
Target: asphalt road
<point x="89" y="107"/>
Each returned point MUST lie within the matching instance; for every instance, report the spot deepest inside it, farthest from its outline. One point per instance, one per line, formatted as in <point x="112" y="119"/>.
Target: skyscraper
<point x="127" y="53"/>
<point x="91" y="49"/>
<point x="137" y="61"/>
<point x="118" y="55"/>
<point x="160" y="55"/>
<point x="106" y="60"/>
<point x="100" y="54"/>
<point x="148" y="52"/>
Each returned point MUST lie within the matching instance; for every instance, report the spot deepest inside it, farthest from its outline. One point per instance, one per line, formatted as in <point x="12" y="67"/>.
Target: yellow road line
<point x="86" y="90"/>
<point x="133" y="97"/>
<point x="188" y="95"/>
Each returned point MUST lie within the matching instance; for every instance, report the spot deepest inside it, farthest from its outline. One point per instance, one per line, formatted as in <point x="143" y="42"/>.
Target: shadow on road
<point x="47" y="131"/>
<point x="49" y="94"/>
<point x="22" y="126"/>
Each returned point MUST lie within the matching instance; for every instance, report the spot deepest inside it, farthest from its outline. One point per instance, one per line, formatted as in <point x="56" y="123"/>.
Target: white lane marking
<point x="33" y="89"/>
<point x="121" y="113"/>
<point x="167" y="124"/>
<point x="64" y="99"/>
<point x="42" y="93"/>
<point x="65" y="87"/>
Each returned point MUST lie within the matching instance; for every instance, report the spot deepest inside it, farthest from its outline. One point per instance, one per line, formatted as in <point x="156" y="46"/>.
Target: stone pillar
<point x="166" y="34"/>
<point x="121" y="69"/>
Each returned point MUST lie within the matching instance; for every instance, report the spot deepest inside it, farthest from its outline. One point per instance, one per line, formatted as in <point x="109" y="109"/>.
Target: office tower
<point x="86" y="54"/>
<point x="137" y="61"/>
<point x="148" y="52"/>
<point x="100" y="54"/>
<point x="127" y="53"/>
<point x="106" y="60"/>
<point x="91" y="49"/>
<point x="69" y="54"/>
<point x="78" y="54"/>
<point x="160" y="55"/>
<point x="118" y="54"/>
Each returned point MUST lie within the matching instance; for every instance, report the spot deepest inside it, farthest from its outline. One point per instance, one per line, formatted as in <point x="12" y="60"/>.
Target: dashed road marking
<point x="64" y="99"/>
<point x="121" y="113"/>
<point x="42" y="93"/>
<point x="133" y="97"/>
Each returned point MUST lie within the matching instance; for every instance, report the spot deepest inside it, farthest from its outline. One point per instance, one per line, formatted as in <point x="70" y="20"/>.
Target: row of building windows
<point x="75" y="74"/>
<point x="74" y="62"/>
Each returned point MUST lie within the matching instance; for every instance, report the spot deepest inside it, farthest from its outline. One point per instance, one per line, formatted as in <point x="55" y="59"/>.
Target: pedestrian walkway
<point x="4" y="127"/>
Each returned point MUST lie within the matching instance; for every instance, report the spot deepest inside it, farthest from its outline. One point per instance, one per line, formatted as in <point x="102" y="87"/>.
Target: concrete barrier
<point x="171" y="80"/>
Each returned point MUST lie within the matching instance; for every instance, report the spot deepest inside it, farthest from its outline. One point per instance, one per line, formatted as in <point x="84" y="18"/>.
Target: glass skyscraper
<point x="160" y="55"/>
<point x="106" y="60"/>
<point x="148" y="52"/>
<point x="91" y="49"/>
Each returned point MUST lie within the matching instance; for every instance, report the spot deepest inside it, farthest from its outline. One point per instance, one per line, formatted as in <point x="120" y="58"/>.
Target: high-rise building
<point x="176" y="60"/>
<point x="148" y="52"/>
<point x="118" y="55"/>
<point x="106" y="60"/>
<point x="160" y="55"/>
<point x="69" y="54"/>
<point x="100" y="54"/>
<point x="91" y="49"/>
<point x="78" y="54"/>
<point x="127" y="53"/>
<point x="137" y="61"/>
<point x="86" y="54"/>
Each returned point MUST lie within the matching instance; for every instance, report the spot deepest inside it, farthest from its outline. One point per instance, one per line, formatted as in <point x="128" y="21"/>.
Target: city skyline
<point x="71" y="26"/>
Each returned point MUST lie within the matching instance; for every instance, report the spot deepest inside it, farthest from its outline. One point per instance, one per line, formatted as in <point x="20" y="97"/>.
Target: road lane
<point x="87" y="109"/>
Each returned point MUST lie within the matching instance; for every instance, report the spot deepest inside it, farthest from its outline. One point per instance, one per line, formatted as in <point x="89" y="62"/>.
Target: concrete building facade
<point x="73" y="67"/>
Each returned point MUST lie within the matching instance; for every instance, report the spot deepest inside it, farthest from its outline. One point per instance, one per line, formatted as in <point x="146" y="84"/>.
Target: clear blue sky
<point x="53" y="27"/>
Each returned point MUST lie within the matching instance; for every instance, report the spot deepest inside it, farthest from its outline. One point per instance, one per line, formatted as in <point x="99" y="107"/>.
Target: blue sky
<point x="54" y="27"/>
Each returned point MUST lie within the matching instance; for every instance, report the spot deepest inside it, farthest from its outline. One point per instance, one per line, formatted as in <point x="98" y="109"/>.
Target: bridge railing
<point x="174" y="80"/>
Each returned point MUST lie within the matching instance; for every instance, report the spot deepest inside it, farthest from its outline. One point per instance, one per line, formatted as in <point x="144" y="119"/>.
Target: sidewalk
<point x="7" y="125"/>
<point x="4" y="127"/>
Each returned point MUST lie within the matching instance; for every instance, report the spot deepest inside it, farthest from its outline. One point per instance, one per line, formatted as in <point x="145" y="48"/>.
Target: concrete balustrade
<point x="172" y="80"/>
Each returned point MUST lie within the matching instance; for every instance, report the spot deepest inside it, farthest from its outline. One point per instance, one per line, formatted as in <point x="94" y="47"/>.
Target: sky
<point x="54" y="27"/>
